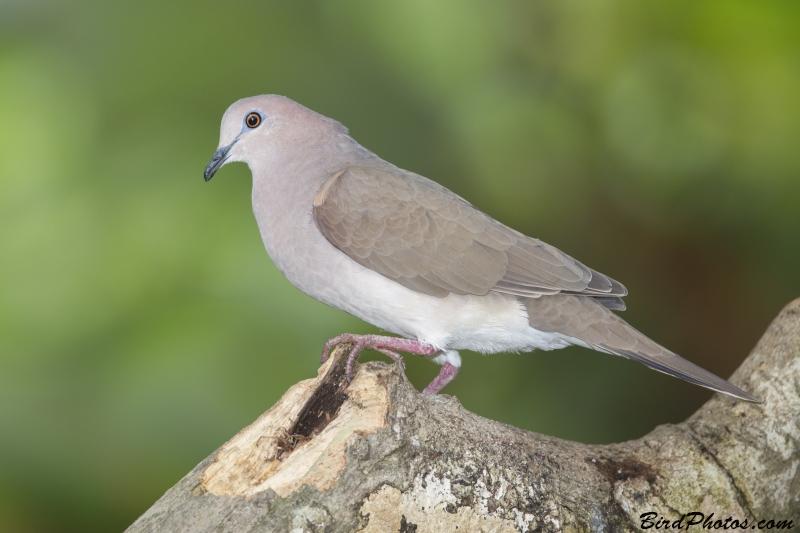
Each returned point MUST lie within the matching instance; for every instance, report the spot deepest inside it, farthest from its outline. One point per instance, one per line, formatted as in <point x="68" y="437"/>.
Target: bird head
<point x="255" y="127"/>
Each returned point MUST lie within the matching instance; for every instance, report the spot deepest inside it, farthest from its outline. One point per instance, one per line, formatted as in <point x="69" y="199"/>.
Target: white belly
<point x="487" y="324"/>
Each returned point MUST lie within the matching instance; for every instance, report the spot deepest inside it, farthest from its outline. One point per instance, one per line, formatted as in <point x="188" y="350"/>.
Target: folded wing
<point x="425" y="237"/>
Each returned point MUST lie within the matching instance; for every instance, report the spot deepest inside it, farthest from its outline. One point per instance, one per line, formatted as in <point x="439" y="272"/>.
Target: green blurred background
<point x="142" y="323"/>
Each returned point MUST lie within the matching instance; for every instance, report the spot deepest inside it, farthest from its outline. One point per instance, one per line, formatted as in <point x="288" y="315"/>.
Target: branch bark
<point x="377" y="456"/>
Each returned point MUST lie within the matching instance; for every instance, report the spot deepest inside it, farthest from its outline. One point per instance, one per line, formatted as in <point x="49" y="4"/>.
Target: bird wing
<point x="425" y="237"/>
<point x="587" y="320"/>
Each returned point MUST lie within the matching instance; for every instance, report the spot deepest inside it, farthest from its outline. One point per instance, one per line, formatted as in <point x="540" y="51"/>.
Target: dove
<point x="409" y="256"/>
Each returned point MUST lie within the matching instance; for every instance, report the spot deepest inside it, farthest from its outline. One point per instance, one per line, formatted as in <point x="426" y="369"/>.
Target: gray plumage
<point x="419" y="234"/>
<point x="408" y="255"/>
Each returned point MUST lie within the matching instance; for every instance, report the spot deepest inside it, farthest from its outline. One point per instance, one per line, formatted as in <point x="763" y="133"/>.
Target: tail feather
<point x="588" y="321"/>
<point x="677" y="366"/>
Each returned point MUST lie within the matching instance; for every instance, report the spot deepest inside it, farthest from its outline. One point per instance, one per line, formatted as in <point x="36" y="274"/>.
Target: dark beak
<point x="219" y="158"/>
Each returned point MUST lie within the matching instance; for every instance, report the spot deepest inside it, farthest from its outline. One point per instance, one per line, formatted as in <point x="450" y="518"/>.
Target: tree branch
<point x="377" y="456"/>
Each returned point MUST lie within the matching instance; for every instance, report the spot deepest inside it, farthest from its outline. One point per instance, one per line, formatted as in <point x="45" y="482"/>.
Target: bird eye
<point x="252" y="120"/>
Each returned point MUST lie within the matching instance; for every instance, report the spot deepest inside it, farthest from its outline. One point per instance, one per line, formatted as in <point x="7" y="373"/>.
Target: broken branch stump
<point x="377" y="456"/>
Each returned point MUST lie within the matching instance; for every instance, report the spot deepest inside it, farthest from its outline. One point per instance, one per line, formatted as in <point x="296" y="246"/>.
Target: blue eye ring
<point x="253" y="120"/>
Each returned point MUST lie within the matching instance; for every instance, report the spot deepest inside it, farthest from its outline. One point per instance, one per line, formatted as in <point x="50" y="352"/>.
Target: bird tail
<point x="583" y="318"/>
<point x="677" y="366"/>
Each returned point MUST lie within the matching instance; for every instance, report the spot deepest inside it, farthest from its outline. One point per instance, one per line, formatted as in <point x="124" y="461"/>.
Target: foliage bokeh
<point x="141" y="322"/>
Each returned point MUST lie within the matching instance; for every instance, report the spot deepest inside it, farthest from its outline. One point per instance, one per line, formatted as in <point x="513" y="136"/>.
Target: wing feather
<point x="423" y="236"/>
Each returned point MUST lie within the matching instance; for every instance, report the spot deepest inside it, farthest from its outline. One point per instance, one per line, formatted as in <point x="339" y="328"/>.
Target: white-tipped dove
<point x="409" y="256"/>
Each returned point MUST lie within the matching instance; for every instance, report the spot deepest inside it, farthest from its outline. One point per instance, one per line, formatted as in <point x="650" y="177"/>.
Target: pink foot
<point x="446" y="375"/>
<point x="384" y="345"/>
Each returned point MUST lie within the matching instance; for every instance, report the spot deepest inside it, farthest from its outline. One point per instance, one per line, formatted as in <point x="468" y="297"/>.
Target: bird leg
<point x="446" y="375"/>
<point x="386" y="346"/>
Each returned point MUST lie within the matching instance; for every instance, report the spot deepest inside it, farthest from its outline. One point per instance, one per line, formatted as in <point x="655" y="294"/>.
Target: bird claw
<point x="326" y="350"/>
<point x="378" y="343"/>
<point x="394" y="356"/>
